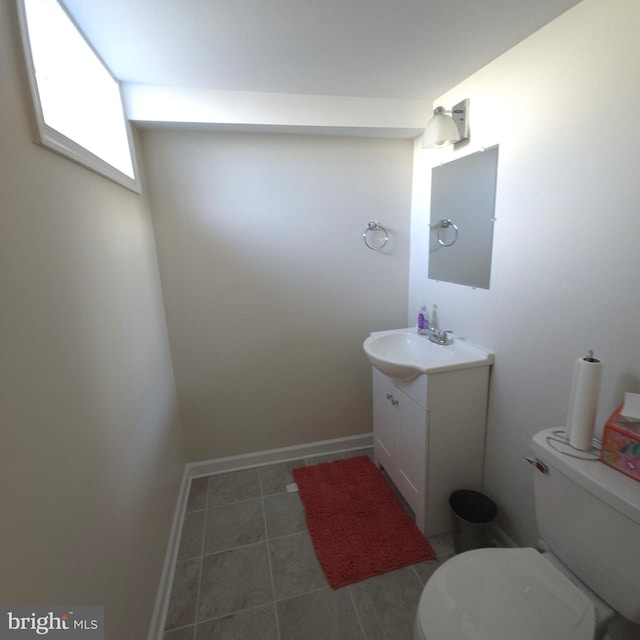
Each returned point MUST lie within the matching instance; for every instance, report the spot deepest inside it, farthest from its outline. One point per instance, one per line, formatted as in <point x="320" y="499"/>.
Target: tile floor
<point x="246" y="569"/>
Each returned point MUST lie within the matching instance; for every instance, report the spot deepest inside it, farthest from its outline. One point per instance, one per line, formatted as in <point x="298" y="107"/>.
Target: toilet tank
<point x="589" y="516"/>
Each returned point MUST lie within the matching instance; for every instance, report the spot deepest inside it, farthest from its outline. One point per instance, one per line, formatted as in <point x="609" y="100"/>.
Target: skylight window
<point x="77" y="101"/>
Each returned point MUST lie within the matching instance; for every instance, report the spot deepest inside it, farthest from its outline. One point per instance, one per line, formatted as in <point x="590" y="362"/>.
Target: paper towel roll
<point x="583" y="402"/>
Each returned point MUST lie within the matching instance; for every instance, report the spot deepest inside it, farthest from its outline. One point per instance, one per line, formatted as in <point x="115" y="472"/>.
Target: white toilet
<point x="588" y="516"/>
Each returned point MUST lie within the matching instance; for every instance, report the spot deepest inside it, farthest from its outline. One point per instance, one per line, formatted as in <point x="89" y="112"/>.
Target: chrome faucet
<point x="439" y="336"/>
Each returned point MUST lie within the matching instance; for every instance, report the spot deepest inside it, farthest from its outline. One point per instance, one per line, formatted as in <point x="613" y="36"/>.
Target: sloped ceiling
<point x="389" y="49"/>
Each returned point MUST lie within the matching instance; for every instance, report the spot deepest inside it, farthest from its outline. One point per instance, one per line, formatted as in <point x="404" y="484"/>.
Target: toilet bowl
<point x="503" y="594"/>
<point x="588" y="516"/>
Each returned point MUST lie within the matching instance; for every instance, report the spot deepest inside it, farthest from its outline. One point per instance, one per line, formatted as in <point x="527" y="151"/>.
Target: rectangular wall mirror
<point x="463" y="194"/>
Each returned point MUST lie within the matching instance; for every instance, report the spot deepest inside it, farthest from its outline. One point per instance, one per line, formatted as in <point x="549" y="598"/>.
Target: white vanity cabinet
<point x="429" y="436"/>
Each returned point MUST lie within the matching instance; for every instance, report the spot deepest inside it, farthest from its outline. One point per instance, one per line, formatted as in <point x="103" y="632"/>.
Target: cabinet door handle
<point x="394" y="402"/>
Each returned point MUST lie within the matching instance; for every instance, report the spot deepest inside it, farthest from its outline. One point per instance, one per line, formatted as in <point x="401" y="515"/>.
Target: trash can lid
<point x="501" y="594"/>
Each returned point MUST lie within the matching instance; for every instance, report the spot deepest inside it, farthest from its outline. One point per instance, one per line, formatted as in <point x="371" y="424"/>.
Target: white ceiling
<point x="398" y="49"/>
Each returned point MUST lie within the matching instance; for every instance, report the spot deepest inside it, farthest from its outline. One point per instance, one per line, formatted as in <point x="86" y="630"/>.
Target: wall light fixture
<point x="444" y="129"/>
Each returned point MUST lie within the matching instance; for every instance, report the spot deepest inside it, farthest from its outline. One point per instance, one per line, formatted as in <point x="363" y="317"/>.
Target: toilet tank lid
<point x="617" y="490"/>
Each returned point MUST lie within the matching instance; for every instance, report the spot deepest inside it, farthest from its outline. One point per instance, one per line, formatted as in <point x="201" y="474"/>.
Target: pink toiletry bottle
<point x="423" y="320"/>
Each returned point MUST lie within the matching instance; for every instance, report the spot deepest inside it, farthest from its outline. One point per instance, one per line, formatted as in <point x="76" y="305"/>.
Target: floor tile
<point x="233" y="486"/>
<point x="284" y="514"/>
<point x="255" y="624"/>
<point x="274" y="478"/>
<point x="386" y="605"/>
<point x="320" y="615"/>
<point x="197" y="494"/>
<point x="234" y="580"/>
<point x="192" y="535"/>
<point x="184" y="593"/>
<point x="186" y="633"/>
<point x="265" y="582"/>
<point x="234" y="525"/>
<point x="295" y="567"/>
<point x="443" y="546"/>
<point x="426" y="569"/>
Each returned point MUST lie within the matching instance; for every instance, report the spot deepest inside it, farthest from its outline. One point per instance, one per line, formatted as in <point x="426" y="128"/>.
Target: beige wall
<point x="566" y="258"/>
<point x="268" y="287"/>
<point x="91" y="455"/>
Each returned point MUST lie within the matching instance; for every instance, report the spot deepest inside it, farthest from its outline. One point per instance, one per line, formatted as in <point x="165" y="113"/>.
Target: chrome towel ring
<point x="445" y="224"/>
<point x="372" y="227"/>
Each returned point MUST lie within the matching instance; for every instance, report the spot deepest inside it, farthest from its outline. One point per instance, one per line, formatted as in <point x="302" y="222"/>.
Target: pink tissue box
<point x="621" y="445"/>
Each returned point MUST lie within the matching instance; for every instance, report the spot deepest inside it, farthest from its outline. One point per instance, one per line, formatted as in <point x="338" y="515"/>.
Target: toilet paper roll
<point x="583" y="402"/>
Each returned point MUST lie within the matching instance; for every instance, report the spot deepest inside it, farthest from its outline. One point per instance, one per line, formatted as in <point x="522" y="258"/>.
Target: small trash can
<point x="473" y="516"/>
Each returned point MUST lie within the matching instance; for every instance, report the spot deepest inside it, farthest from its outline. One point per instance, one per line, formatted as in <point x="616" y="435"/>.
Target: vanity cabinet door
<point x="411" y="452"/>
<point x="384" y="419"/>
<point x="399" y="431"/>
<point x="428" y="435"/>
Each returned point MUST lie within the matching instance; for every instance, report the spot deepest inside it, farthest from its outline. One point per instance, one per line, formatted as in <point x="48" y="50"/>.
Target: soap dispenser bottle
<point x="423" y="320"/>
<point x="434" y="317"/>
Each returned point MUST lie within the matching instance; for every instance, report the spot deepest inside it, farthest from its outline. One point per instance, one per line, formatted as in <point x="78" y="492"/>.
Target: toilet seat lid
<point x="503" y="594"/>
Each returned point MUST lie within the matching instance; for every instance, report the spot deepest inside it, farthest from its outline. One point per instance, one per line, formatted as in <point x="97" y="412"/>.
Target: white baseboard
<point x="159" y="616"/>
<point x="221" y="465"/>
<point x="297" y="452"/>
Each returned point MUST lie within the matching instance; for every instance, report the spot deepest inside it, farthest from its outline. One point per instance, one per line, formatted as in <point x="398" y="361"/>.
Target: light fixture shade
<point x="441" y="130"/>
<point x="444" y="129"/>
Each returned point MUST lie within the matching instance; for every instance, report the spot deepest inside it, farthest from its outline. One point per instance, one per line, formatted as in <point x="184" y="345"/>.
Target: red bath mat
<point x="358" y="527"/>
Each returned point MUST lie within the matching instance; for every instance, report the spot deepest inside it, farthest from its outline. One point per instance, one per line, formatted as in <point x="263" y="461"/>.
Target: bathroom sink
<point x="404" y="354"/>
